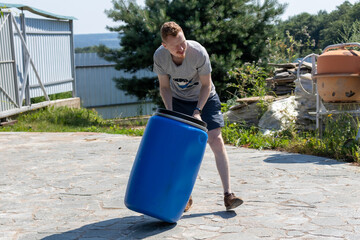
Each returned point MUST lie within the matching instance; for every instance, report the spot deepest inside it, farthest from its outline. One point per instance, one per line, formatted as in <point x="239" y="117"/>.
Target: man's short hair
<point x="170" y="29"/>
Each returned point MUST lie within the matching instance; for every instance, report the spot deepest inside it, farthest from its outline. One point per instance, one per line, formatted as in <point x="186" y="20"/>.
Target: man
<point x="184" y="71"/>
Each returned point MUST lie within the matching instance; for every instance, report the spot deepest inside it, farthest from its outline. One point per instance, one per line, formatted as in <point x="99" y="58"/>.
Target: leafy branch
<point x="1" y="10"/>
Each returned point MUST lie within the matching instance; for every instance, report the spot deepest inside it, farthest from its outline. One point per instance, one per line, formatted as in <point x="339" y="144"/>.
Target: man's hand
<point x="197" y="115"/>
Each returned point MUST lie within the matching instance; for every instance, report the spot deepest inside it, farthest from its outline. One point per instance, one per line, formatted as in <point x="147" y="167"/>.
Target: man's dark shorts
<point x="211" y="113"/>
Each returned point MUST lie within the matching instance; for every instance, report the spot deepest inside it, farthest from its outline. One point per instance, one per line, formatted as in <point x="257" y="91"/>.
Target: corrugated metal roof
<point x="36" y="11"/>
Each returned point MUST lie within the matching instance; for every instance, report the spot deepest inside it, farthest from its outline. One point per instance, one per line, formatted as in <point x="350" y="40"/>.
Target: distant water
<point x="110" y="40"/>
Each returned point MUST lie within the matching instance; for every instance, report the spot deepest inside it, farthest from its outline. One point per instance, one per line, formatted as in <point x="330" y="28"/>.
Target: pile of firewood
<point x="284" y="76"/>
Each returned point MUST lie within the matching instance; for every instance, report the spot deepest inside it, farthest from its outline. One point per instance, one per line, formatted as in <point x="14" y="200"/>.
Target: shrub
<point x="248" y="80"/>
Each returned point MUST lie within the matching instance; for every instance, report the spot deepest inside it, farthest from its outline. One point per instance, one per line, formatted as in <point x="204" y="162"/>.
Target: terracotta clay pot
<point x="338" y="78"/>
<point x="339" y="88"/>
<point x="339" y="61"/>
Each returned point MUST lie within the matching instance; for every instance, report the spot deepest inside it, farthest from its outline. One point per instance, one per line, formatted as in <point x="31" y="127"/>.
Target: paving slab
<point x="72" y="186"/>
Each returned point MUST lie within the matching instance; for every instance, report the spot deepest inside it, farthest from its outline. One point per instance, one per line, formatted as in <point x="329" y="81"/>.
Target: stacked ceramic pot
<point x="338" y="74"/>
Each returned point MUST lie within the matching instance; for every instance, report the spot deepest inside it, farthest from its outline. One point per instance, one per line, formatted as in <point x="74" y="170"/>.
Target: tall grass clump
<point x="248" y="80"/>
<point x="54" y="96"/>
<point x="337" y="140"/>
<point x="65" y="119"/>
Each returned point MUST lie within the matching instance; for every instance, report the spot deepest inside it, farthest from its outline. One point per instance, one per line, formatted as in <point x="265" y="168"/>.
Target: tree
<point x="303" y="26"/>
<point x="334" y="23"/>
<point x="325" y="28"/>
<point x="232" y="31"/>
<point x="91" y="49"/>
<point x="350" y="34"/>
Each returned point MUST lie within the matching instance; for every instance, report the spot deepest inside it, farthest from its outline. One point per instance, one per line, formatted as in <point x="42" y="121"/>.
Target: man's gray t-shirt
<point x="184" y="79"/>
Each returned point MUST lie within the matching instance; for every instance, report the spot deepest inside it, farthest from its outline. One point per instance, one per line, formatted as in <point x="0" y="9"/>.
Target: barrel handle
<point x="313" y="56"/>
<point x="341" y="45"/>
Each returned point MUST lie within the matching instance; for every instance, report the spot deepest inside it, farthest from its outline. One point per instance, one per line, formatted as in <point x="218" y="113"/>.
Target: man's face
<point x="176" y="45"/>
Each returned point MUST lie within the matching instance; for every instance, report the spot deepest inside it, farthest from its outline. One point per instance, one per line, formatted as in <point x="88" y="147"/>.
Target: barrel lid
<point x="182" y="117"/>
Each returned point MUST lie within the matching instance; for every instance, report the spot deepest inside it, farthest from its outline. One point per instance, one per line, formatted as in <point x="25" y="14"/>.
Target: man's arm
<point x="204" y="93"/>
<point x="165" y="91"/>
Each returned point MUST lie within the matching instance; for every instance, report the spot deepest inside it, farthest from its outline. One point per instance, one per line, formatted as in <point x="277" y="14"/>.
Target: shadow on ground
<point x="132" y="227"/>
<point x="299" y="158"/>
<point x="222" y="214"/>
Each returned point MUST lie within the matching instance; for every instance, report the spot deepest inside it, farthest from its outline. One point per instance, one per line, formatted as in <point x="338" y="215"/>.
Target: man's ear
<point x="164" y="44"/>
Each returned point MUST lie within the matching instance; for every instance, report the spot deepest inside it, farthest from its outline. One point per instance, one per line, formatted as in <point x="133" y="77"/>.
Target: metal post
<point x="313" y="72"/>
<point x="72" y="56"/>
<point x="27" y="80"/>
<point x="16" y="86"/>
<point x="318" y="116"/>
<point x="32" y="63"/>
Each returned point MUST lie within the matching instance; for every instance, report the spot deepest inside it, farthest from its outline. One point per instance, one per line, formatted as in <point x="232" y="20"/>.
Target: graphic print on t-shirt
<point x="184" y="83"/>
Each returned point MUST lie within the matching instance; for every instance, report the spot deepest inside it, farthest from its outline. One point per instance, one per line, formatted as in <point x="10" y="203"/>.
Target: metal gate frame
<point x="12" y="90"/>
<point x="5" y="94"/>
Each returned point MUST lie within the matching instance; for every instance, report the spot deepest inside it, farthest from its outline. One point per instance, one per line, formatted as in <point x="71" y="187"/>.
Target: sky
<point x="92" y="19"/>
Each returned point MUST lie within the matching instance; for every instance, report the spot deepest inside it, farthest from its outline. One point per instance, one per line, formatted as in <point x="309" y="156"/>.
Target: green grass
<point x="55" y="96"/>
<point x="338" y="140"/>
<point x="334" y="143"/>
<point x="64" y="119"/>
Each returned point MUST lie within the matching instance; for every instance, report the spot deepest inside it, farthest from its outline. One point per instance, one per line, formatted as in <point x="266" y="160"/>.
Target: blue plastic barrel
<point x="166" y="165"/>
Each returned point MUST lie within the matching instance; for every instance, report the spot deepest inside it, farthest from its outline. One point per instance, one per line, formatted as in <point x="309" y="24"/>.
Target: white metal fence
<point x="8" y="72"/>
<point x="97" y="90"/>
<point x="36" y="59"/>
